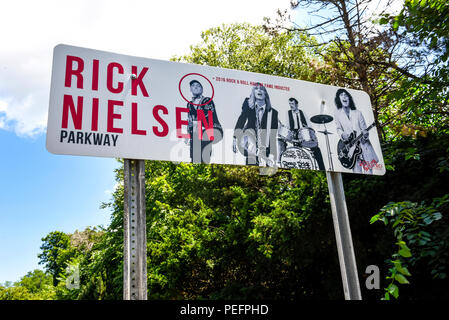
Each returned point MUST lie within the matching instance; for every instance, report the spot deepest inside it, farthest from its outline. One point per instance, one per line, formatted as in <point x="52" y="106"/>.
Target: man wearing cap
<point x="201" y="108"/>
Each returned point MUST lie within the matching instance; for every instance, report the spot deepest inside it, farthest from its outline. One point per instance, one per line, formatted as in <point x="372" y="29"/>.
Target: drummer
<point x="298" y="121"/>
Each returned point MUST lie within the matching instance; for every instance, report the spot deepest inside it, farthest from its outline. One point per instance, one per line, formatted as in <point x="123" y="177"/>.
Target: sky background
<point x="41" y="192"/>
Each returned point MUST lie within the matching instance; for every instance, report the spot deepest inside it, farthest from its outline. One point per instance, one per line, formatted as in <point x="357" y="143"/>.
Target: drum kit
<point x="299" y="156"/>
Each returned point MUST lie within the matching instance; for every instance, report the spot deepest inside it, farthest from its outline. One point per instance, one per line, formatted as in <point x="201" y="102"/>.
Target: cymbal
<point x="321" y="118"/>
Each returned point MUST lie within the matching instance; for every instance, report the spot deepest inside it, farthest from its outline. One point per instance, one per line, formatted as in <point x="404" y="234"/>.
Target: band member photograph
<point x="256" y="129"/>
<point x="355" y="150"/>
<point x="302" y="132"/>
<point x="201" y="111"/>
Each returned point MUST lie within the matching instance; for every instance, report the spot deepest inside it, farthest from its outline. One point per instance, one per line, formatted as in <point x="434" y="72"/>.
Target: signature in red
<point x="370" y="165"/>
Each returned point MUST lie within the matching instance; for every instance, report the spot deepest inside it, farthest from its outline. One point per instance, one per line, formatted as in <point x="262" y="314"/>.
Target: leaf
<point x="383" y="20"/>
<point x="374" y="219"/>
<point x="401" y="279"/>
<point x="428" y="220"/>
<point x="404" y="271"/>
<point x="393" y="290"/>
<point x="405" y="251"/>
<point x="395" y="25"/>
<point x="400" y="268"/>
<point x="396" y="223"/>
<point x="437" y="216"/>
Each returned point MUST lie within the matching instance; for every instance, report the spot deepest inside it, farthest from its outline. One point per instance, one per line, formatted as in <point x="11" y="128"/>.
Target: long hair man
<point x="256" y="129"/>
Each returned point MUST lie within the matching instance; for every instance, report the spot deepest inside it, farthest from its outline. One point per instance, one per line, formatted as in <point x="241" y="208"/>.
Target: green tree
<point x="420" y="104"/>
<point x="35" y="285"/>
<point x="55" y="253"/>
<point x="354" y="52"/>
<point x="418" y="240"/>
<point x="227" y="232"/>
<point x="36" y="281"/>
<point x="80" y="276"/>
<point x="14" y="293"/>
<point x="249" y="48"/>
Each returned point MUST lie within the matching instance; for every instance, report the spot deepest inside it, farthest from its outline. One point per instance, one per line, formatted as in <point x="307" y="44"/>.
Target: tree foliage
<point x="226" y="232"/>
<point x="35" y="285"/>
<point x="418" y="239"/>
<point x="420" y="103"/>
<point x="55" y="251"/>
<point x="354" y="51"/>
<point x="249" y="48"/>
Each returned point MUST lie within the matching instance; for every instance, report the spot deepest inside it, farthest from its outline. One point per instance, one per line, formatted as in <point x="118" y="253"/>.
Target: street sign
<point x="112" y="105"/>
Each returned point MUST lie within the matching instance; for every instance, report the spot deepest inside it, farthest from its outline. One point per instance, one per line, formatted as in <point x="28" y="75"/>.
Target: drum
<point x="298" y="158"/>
<point x="285" y="134"/>
<point x="307" y="138"/>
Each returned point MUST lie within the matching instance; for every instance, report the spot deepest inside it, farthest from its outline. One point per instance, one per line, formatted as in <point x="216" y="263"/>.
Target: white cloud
<point x="3" y="107"/>
<point x="153" y="29"/>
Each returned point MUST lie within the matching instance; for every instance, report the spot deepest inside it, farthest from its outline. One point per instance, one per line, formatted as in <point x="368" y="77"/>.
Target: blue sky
<point x="41" y="192"/>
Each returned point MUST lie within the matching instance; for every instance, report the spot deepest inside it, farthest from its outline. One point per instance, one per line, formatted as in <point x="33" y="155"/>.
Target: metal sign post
<point x="134" y="231"/>
<point x="346" y="256"/>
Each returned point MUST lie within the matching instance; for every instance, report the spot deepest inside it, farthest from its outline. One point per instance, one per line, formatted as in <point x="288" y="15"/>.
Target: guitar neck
<point x="360" y="135"/>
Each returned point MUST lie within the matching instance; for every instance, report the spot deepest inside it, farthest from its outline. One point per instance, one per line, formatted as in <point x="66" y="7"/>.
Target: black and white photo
<point x="256" y="129"/>
<point x="300" y="134"/>
<point x="201" y="109"/>
<point x="354" y="148"/>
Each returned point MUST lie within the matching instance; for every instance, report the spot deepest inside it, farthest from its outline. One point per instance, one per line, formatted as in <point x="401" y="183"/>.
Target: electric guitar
<point x="249" y="144"/>
<point x="350" y="150"/>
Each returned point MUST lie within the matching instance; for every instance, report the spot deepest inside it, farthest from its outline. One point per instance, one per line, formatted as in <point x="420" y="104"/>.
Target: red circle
<point x="196" y="104"/>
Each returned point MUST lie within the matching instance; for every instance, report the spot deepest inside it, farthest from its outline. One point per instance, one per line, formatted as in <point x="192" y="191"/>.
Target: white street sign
<point x="111" y="105"/>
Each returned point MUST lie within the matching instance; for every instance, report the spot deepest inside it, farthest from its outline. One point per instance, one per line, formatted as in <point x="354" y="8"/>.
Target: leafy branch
<point x="410" y="222"/>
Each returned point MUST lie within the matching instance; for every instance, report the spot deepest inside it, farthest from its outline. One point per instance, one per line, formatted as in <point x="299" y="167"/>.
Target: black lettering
<point x="106" y="140"/>
<point x="63" y="135"/>
<point x="82" y="137"/>
<point x="114" y="139"/>
<point x="87" y="137"/>
<point x="71" y="137"/>
<point x="98" y="137"/>
<point x="79" y="137"/>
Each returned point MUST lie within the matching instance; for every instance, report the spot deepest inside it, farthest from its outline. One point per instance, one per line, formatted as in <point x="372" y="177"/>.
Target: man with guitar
<point x="256" y="129"/>
<point x="355" y="151"/>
